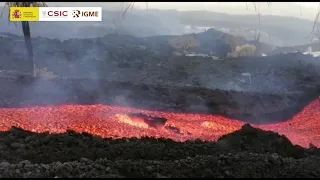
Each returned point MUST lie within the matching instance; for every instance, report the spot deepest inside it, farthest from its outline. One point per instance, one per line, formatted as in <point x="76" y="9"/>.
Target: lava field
<point x="66" y="141"/>
<point x="99" y="140"/>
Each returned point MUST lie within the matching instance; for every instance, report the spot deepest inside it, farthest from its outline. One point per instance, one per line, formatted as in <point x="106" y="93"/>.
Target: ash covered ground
<point x="148" y="76"/>
<point x="153" y="61"/>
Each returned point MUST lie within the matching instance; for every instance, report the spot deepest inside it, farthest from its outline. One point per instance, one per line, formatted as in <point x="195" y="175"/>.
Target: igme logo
<point x="78" y="13"/>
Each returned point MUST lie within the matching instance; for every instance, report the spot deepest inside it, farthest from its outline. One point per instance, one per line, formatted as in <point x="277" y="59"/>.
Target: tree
<point x="315" y="33"/>
<point x="117" y="21"/>
<point x="26" y="31"/>
<point x="256" y="41"/>
<point x="244" y="50"/>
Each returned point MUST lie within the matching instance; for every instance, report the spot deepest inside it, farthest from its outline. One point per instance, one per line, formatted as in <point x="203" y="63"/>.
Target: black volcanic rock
<point x="259" y="141"/>
<point x="83" y="155"/>
<point x="150" y="120"/>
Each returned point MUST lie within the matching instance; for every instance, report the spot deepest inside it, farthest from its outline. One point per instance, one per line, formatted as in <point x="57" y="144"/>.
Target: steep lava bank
<point x="253" y="107"/>
<point x="116" y="122"/>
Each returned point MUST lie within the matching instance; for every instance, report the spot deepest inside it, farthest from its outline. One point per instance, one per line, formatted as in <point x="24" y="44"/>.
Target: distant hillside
<point x="284" y="30"/>
<point x="211" y="42"/>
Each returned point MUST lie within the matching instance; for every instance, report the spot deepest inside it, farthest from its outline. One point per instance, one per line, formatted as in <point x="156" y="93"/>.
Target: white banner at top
<point x="70" y="13"/>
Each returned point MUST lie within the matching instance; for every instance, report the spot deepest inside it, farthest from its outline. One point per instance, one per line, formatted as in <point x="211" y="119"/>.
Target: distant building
<point x="309" y="51"/>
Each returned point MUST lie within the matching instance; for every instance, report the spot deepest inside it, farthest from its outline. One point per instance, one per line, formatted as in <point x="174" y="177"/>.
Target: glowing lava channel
<point x="111" y="121"/>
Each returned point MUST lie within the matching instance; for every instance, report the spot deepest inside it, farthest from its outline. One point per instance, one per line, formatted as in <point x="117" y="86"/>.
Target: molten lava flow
<point x="132" y="121"/>
<point x="117" y="122"/>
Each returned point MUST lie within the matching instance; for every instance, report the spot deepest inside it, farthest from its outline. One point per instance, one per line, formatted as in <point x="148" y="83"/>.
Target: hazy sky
<point x="305" y="10"/>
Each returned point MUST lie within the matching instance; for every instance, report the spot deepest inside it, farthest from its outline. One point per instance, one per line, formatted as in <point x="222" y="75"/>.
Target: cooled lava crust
<point x="248" y="152"/>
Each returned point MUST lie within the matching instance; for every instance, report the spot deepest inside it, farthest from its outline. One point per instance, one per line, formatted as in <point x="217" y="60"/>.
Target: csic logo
<point x="16" y="14"/>
<point x="78" y="13"/>
<point x="55" y="13"/>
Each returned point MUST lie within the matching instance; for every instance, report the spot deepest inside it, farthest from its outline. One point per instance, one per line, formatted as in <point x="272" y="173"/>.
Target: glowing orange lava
<point x="111" y="121"/>
<point x="131" y="121"/>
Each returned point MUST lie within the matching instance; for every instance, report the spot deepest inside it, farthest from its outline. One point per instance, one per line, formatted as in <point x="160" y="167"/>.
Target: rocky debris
<point x="17" y="145"/>
<point x="86" y="156"/>
<point x="239" y="165"/>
